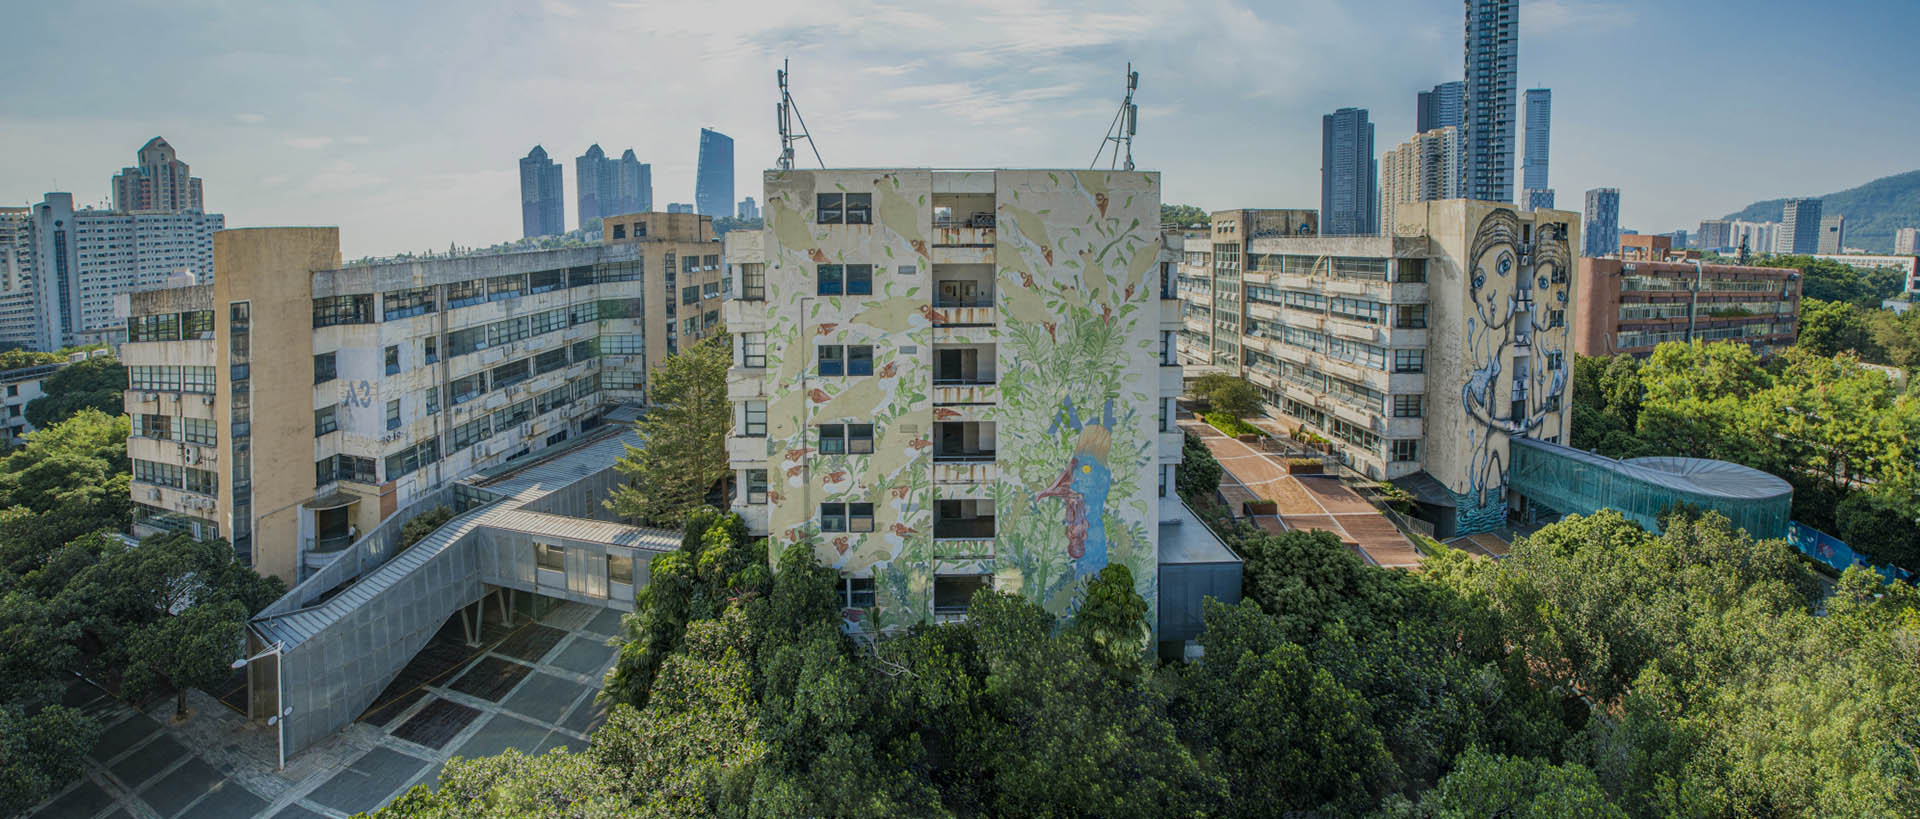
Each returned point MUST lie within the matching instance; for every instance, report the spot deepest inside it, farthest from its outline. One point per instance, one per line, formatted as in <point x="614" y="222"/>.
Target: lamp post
<point x="279" y="694"/>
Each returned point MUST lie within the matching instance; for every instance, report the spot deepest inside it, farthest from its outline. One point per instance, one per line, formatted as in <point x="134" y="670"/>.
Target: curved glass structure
<point x="1571" y="481"/>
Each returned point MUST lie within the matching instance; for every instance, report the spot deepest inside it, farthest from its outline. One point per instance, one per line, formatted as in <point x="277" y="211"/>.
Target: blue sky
<point x="401" y="122"/>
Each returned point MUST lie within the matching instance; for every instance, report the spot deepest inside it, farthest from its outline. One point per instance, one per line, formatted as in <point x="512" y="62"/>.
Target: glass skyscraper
<point x="713" y="189"/>
<point x="1440" y="107"/>
<point x="1533" y="170"/>
<point x="1603" y="222"/>
<point x="1349" y="177"/>
<point x="1492" y="63"/>
<point x="542" y="195"/>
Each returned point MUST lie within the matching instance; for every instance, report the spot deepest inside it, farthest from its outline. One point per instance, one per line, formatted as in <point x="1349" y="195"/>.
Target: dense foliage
<point x="1227" y="394"/>
<point x="93" y="383"/>
<point x="1828" y="280"/>
<point x="1198" y="475"/>
<point x="685" y="430"/>
<point x="1183" y="216"/>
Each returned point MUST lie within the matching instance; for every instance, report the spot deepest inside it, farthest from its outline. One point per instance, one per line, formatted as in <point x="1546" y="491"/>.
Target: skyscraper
<point x="1715" y="234"/>
<point x="1349" y="178"/>
<point x="1906" y="241"/>
<point x="713" y="189"/>
<point x="1533" y="172"/>
<point x="542" y="210"/>
<point x="1422" y="169"/>
<point x="636" y="184"/>
<point x="1440" y="107"/>
<point x="596" y="185"/>
<point x="1487" y="112"/>
<point x="1833" y="234"/>
<point x="1603" y="222"/>
<point x="1799" y="227"/>
<point x="159" y="182"/>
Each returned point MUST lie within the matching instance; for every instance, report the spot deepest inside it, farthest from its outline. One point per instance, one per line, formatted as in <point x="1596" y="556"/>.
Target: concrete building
<point x="682" y="302"/>
<point x="1489" y="108"/>
<point x="293" y="403"/>
<point x="1758" y="237"/>
<point x="1413" y="354"/>
<point x="1646" y="294"/>
<point x="947" y="380"/>
<point x="1716" y="234"/>
<point x="608" y="186"/>
<point x="542" y="196"/>
<point x="1211" y="329"/>
<point x="158" y="181"/>
<point x="1833" y="234"/>
<point x="713" y="187"/>
<point x="1349" y="177"/>
<point x="1906" y="241"/>
<point x="72" y="263"/>
<point x="1533" y="171"/>
<point x="1439" y="108"/>
<point x="1907" y="265"/>
<point x="1799" y="227"/>
<point x="1602" y="221"/>
<point x="1422" y="169"/>
<point x="747" y="209"/>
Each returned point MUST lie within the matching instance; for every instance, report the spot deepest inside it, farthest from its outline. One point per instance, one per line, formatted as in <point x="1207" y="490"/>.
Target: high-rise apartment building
<point x="389" y="380"/>
<point x="976" y="390"/>
<point x="1422" y="169"/>
<point x="1645" y="295"/>
<point x="1349" y="177"/>
<point x="1439" y="108"/>
<point x="713" y="189"/>
<point x="69" y="265"/>
<point x="747" y="209"/>
<point x="1533" y="171"/>
<point x="1906" y="241"/>
<point x="1715" y="234"/>
<point x="158" y="181"/>
<point x="1603" y="222"/>
<point x="1757" y="237"/>
<point x="611" y="187"/>
<point x="1488" y="111"/>
<point x="1833" y="234"/>
<point x="684" y="305"/>
<point x="542" y="196"/>
<point x="1799" y="227"/>
<point x="1418" y="355"/>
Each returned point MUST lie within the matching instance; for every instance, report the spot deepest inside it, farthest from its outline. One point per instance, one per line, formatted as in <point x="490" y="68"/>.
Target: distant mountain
<point x="1874" y="210"/>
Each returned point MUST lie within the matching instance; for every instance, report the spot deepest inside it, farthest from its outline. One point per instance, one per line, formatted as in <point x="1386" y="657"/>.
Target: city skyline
<point x="327" y="125"/>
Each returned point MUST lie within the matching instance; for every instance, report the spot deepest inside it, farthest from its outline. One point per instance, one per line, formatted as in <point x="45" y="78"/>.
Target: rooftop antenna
<point x="786" y="114"/>
<point x="1126" y="123"/>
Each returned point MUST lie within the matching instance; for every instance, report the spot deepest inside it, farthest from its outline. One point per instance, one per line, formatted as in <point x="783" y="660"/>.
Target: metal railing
<point x="963" y="457"/>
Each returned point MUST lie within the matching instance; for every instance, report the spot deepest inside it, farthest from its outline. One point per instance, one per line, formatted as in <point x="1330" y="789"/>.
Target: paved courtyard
<point x="531" y="686"/>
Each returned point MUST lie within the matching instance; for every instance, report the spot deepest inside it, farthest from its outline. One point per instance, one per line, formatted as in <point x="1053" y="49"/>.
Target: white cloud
<point x="309" y="143"/>
<point x="250" y="119"/>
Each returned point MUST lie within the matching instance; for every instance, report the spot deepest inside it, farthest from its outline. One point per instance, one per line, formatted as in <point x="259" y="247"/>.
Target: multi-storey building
<point x="747" y="209"/>
<point x="1799" y="227"/>
<point x="1908" y="266"/>
<point x="1716" y="234"/>
<point x="1439" y="108"/>
<point x="1603" y="221"/>
<point x="1647" y="293"/>
<point x="946" y="380"/>
<point x="159" y="181"/>
<point x="1756" y="237"/>
<point x="1533" y="171"/>
<point x="1906" y="241"/>
<point x="292" y="403"/>
<point x="609" y="187"/>
<point x="1211" y="328"/>
<point x="73" y="263"/>
<point x="1833" y="234"/>
<point x="1417" y="355"/>
<point x="713" y="183"/>
<point x="1349" y="178"/>
<point x="1488" y="108"/>
<point x="682" y="301"/>
<point x="542" y="195"/>
<point x="1422" y="169"/>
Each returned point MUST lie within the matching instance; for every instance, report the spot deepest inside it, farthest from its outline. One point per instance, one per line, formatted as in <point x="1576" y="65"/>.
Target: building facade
<point x="158" y="181"/>
<point x="611" y="187"/>
<point x="1602" y="221"/>
<point x="1349" y="177"/>
<point x="747" y="209"/>
<point x="1906" y="241"/>
<point x="1533" y="171"/>
<point x="1907" y="265"/>
<point x="1799" y="227"/>
<point x="1439" y="108"/>
<point x="293" y="404"/>
<point x="952" y="380"/>
<point x="1716" y="234"/>
<point x="1756" y="237"/>
<point x="542" y="196"/>
<point x="682" y="302"/>
<point x="713" y="187"/>
<point x="1422" y="169"/>
<point x="1833" y="234"/>
<point x="1646" y="294"/>
<point x="1489" y="104"/>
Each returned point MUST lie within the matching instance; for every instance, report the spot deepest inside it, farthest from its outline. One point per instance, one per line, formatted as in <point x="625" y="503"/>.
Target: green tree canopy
<point x="1183" y="215"/>
<point x="93" y="383"/>
<point x="683" y="451"/>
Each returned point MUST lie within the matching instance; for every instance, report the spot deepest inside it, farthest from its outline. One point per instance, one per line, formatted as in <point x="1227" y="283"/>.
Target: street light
<point x="279" y="694"/>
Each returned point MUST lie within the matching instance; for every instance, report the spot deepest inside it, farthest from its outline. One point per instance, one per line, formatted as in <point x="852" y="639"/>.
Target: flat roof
<point x="1187" y="540"/>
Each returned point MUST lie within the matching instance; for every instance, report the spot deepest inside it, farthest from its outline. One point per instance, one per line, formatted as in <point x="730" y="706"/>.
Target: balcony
<point x="963" y="520"/>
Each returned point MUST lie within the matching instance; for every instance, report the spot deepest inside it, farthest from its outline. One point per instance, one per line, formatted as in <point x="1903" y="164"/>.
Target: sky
<point x="402" y="123"/>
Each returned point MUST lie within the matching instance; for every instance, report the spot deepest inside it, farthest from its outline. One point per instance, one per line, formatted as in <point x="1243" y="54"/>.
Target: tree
<point x="17" y="359"/>
<point x="1112" y="621"/>
<point x="1183" y="215"/>
<point x="683" y="450"/>
<point x="1829" y="328"/>
<point x="67" y="480"/>
<point x="1896" y="337"/>
<point x="1199" y="473"/>
<point x="93" y="383"/>
<point x="423" y="524"/>
<point x="1236" y="398"/>
<point x="41" y="753"/>
<point x="192" y="649"/>
<point x="1485" y="785"/>
<point x="1880" y="524"/>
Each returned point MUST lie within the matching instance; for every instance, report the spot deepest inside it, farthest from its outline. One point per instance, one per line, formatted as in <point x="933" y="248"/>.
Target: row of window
<point x="344" y="468"/>
<point x="199" y="481"/>
<point x="193" y="324"/>
<point x="844" y="209"/>
<point x="554" y="558"/>
<point x="170" y="378"/>
<point x="844" y="279"/>
<point x="200" y="431"/>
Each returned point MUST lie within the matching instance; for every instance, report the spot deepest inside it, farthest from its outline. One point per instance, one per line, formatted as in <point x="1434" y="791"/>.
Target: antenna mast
<point x="1126" y="122"/>
<point x="786" y="114"/>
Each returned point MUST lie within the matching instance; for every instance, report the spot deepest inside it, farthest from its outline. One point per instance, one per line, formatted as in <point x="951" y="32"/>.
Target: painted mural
<point x="1073" y="479"/>
<point x="1518" y="280"/>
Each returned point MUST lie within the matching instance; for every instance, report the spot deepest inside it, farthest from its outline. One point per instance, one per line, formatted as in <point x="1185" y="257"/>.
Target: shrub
<point x="1227" y="423"/>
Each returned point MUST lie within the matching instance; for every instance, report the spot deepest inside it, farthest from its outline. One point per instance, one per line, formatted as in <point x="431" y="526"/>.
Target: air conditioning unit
<point x="207" y="400"/>
<point x="151" y="397"/>
<point x="153" y="494"/>
<point x="190" y="455"/>
<point x="526" y="430"/>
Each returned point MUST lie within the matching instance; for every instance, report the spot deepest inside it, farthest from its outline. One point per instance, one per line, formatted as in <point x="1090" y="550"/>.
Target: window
<point x="147" y="425"/>
<point x="756" y="486"/>
<point x="830" y="210"/>
<point x="323" y="368"/>
<point x="711" y="262"/>
<point x="690" y="294"/>
<point x="202" y="481"/>
<point x="753" y="350"/>
<point x="859" y="359"/>
<point x="324" y="421"/>
<point x="1410" y="316"/>
<point x="199" y="431"/>
<point x="1405" y="450"/>
<point x="461" y="294"/>
<point x="461" y="342"/>
<point x="1409" y="361"/>
<point x="430" y="349"/>
<point x="622" y="345"/>
<point x="393" y="359"/>
<point x="586" y="350"/>
<point x="505" y="419"/>
<point x="506" y="287"/>
<point x="859" y="208"/>
<point x="619" y="569"/>
<point x="1412" y="270"/>
<point x="1407" y="406"/>
<point x="846" y="517"/>
<point x="399" y="304"/>
<point x="162" y="327"/>
<point x="846" y="439"/>
<point x="952" y="592"/>
<point x="468" y="388"/>
<point x="1556" y="318"/>
<point x="859" y="280"/>
<point x="407" y="461"/>
<point x="469" y="433"/>
<point x="756" y="419"/>
<point x="753" y="282"/>
<point x="832" y="279"/>
<point x="550" y="360"/>
<point x="433" y="400"/>
<point x="393" y="414"/>
<point x="157" y="377"/>
<point x="546" y="281"/>
<point x="196" y="379"/>
<point x="832" y="359"/>
<point x="350" y="309"/>
<point x="155" y="472"/>
<point x="852" y="359"/>
<point x="845" y="279"/>
<point x="549" y="556"/>
<point x="548" y="321"/>
<point x="506" y="332"/>
<point x="196" y="324"/>
<point x="859" y="593"/>
<point x="507" y="375"/>
<point x="619" y="231"/>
